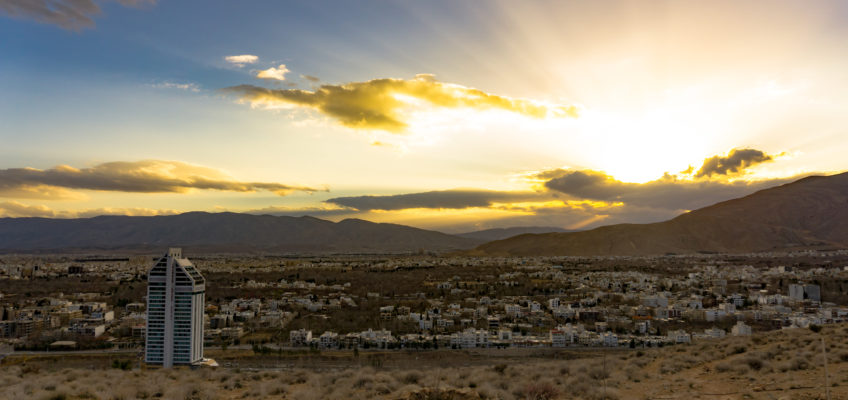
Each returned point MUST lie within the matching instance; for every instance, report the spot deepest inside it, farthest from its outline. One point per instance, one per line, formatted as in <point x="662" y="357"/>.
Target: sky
<point x="447" y="115"/>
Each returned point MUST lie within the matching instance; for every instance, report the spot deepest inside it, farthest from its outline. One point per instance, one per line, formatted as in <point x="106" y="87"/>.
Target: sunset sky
<point x="448" y="115"/>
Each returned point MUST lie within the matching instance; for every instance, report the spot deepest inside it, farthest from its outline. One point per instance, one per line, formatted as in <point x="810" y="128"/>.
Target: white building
<point x="609" y="339"/>
<point x="714" y="333"/>
<point x="801" y="292"/>
<point x="559" y="338"/>
<point x="175" y="302"/>
<point x="741" y="329"/>
<point x="512" y="310"/>
<point x="328" y="339"/>
<point x="300" y="337"/>
<point x="470" y="338"/>
<point x="679" y="336"/>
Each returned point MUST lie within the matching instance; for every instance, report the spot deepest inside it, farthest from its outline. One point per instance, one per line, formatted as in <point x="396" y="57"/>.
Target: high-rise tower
<point x="175" y="302"/>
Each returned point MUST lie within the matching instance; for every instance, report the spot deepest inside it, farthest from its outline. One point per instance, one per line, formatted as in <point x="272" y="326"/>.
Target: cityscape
<point x="423" y="200"/>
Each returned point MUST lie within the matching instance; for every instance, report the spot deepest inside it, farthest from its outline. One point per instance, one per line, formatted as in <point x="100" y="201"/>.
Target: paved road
<point x="74" y="352"/>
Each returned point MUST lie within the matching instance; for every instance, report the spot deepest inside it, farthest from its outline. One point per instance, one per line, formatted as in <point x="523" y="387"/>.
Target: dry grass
<point x="785" y="364"/>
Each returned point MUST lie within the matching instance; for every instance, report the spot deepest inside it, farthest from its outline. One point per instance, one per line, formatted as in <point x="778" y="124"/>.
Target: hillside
<point x="782" y="364"/>
<point x="219" y="232"/>
<point x="503" y="233"/>
<point x="811" y="212"/>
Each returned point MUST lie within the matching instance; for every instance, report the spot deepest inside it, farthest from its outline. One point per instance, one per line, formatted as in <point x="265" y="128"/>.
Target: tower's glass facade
<point x="175" y="302"/>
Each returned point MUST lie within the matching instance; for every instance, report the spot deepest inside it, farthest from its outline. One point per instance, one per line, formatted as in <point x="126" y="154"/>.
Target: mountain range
<point x="809" y="213"/>
<point x="220" y="232"/>
<point x="489" y="235"/>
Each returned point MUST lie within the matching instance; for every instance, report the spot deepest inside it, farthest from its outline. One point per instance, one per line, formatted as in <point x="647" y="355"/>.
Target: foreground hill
<point x="811" y="212"/>
<point x="785" y="364"/>
<point x="219" y="232"/>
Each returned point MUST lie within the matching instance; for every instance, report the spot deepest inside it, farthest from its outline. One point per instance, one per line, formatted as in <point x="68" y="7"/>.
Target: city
<point x="433" y="302"/>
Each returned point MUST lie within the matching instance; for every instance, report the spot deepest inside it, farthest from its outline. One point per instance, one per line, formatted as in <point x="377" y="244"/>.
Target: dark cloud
<point x="455" y="199"/>
<point x="668" y="192"/>
<point x="68" y="14"/>
<point x="311" y="78"/>
<point x="734" y="163"/>
<point x="375" y="104"/>
<point x="148" y="176"/>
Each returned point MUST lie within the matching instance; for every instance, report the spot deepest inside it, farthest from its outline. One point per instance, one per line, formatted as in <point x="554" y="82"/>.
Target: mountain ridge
<point x="811" y="212"/>
<point x="224" y="232"/>
<point x="503" y="233"/>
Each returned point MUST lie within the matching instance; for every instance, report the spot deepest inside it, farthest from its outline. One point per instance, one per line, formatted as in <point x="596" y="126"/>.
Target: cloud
<point x="688" y="191"/>
<point x="14" y="209"/>
<point x="241" y="60"/>
<point x="668" y="192"/>
<point x="148" y="176"/>
<point x="278" y="74"/>
<point x="311" y="78"/>
<point x="67" y="14"/>
<point x="456" y="199"/>
<point x="381" y="104"/>
<point x="176" y="85"/>
<point x="734" y="163"/>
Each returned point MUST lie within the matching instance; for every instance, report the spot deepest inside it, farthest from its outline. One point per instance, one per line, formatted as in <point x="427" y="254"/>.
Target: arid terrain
<point x="786" y="364"/>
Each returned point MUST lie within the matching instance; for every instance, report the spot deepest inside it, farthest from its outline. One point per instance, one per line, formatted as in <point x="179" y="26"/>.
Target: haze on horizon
<point x="445" y="115"/>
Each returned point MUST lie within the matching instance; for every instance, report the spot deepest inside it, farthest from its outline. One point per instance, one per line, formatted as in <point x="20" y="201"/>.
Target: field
<point x="785" y="364"/>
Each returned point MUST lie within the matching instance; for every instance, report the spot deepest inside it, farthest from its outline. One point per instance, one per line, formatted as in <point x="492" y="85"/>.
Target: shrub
<point x="754" y="363"/>
<point x="723" y="367"/>
<point x="411" y="378"/>
<point x="799" y="364"/>
<point x="539" y="391"/>
<point x="362" y="382"/>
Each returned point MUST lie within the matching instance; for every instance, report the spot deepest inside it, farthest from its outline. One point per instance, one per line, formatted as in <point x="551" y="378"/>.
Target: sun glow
<point x="642" y="147"/>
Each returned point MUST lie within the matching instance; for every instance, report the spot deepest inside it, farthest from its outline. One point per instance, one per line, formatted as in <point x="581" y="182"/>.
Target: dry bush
<point x="757" y="364"/>
<point x="741" y="369"/>
<point x="411" y="378"/>
<point x="538" y="391"/>
<point x="642" y="362"/>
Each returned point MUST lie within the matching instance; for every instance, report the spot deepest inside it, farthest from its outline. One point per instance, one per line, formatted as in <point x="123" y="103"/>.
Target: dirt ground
<point x="785" y="364"/>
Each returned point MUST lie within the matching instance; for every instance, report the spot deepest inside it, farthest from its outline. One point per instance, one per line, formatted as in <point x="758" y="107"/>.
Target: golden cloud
<point x="242" y="59"/>
<point x="272" y="73"/>
<point x="14" y="209"/>
<point x="148" y="176"/>
<point x="381" y="103"/>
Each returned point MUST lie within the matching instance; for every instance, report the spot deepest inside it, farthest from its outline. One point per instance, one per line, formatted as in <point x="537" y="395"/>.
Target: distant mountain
<point x="808" y="213"/>
<point x="489" y="235"/>
<point x="219" y="232"/>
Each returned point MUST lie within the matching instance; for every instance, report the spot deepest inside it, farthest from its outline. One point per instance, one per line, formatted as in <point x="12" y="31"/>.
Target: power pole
<point x="826" y="377"/>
